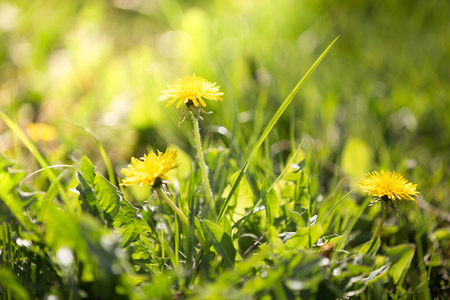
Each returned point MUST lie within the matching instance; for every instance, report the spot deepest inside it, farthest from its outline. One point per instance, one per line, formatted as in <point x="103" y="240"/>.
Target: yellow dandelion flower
<point x="41" y="132"/>
<point x="388" y="185"/>
<point x="149" y="168"/>
<point x="191" y="88"/>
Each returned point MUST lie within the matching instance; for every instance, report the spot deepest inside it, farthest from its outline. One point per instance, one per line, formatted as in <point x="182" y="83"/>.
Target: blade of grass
<point x="333" y="207"/>
<point x="244" y="219"/>
<point x="6" y="245"/>
<point x="40" y="170"/>
<point x="333" y="193"/>
<point x="177" y="241"/>
<point x="37" y="155"/>
<point x="353" y="222"/>
<point x="431" y="260"/>
<point x="269" y="127"/>
<point x="101" y="148"/>
<point x="221" y="241"/>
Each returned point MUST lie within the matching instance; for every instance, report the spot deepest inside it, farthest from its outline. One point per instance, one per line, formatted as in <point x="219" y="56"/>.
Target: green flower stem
<point x="202" y="163"/>
<point x="183" y="218"/>
<point x="383" y="218"/>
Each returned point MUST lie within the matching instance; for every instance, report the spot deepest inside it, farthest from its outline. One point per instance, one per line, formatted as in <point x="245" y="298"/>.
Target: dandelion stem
<point x="183" y="218"/>
<point x="383" y="218"/>
<point x="202" y="163"/>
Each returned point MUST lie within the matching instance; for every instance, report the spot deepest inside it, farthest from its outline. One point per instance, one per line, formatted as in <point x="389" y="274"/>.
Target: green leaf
<point x="109" y="197"/>
<point x="61" y="228"/>
<point x="221" y="242"/>
<point x="242" y="221"/>
<point x="87" y="196"/>
<point x="269" y="127"/>
<point x="301" y="239"/>
<point x="376" y="274"/>
<point x="271" y="202"/>
<point x="87" y="169"/>
<point x="442" y="233"/>
<point x="243" y="197"/>
<point x="297" y="217"/>
<point x="97" y="250"/>
<point x="370" y="247"/>
<point x="357" y="284"/>
<point x="400" y="257"/>
<point x="129" y="223"/>
<point x="98" y="192"/>
<point x="225" y="225"/>
<point x="201" y="234"/>
<point x="103" y="199"/>
<point x="273" y="237"/>
<point x="140" y="252"/>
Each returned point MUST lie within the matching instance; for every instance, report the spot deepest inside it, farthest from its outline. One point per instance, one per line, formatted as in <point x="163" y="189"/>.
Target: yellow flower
<point x="191" y="88"/>
<point x="41" y="132"/>
<point x="149" y="168"/>
<point x="388" y="185"/>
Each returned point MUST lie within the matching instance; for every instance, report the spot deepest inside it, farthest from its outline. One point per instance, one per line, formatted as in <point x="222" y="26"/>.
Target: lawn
<point x="117" y="181"/>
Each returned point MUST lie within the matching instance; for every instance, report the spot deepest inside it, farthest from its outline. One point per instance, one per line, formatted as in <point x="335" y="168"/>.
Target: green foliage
<point x="106" y="246"/>
<point x="13" y="285"/>
<point x="102" y="199"/>
<point x="400" y="257"/>
<point x="221" y="241"/>
<point x="291" y="223"/>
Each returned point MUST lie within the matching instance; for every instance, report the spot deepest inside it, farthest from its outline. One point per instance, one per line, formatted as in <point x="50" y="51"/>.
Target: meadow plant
<point x="190" y="91"/>
<point x="151" y="169"/>
<point x="386" y="188"/>
<point x="272" y="230"/>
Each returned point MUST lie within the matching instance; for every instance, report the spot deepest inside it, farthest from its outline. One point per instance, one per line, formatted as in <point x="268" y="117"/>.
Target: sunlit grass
<point x="288" y="219"/>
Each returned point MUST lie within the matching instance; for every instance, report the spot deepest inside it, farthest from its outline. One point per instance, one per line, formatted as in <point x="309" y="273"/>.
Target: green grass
<point x="283" y="165"/>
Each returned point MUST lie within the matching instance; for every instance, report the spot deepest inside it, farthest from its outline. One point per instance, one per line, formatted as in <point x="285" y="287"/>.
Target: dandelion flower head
<point x="41" y="132"/>
<point x="388" y="185"/>
<point x="191" y="88"/>
<point x="149" y="168"/>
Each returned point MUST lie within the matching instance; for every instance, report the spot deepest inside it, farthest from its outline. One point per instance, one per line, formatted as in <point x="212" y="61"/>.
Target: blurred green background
<point x="379" y="100"/>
